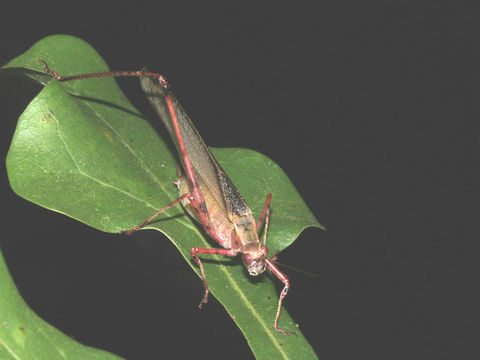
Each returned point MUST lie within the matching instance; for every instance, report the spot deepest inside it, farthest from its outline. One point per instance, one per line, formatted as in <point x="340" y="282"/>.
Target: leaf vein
<point x="83" y="173"/>
<point x="10" y="351"/>
<point x="130" y="149"/>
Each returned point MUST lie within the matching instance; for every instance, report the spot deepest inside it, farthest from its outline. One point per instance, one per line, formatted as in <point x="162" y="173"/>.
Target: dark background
<point x="370" y="108"/>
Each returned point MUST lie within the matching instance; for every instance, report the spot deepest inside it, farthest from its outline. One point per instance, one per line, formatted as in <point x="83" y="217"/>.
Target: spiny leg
<point x="138" y="73"/>
<point x="264" y="211"/>
<point x="194" y="252"/>
<point x="266" y="214"/>
<point x="173" y="203"/>
<point x="284" y="292"/>
<point x="265" y="231"/>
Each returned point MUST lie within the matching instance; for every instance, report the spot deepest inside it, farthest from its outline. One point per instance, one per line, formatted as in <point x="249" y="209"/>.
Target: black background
<point x="370" y="108"/>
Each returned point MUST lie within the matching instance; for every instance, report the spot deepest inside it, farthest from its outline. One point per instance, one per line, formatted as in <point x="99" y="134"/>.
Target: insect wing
<point x="210" y="176"/>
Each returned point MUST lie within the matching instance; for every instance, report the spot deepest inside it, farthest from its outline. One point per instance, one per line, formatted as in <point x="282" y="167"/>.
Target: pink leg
<point x="159" y="77"/>
<point x="284" y="292"/>
<point x="264" y="211"/>
<point x="194" y="252"/>
<point x="265" y="231"/>
<point x="173" y="203"/>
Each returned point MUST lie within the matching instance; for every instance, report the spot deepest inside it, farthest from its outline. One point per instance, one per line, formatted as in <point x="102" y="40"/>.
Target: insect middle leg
<point x="194" y="253"/>
<point x="173" y="203"/>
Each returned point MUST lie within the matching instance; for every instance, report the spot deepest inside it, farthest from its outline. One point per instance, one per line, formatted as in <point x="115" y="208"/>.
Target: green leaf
<point x="23" y="335"/>
<point x="81" y="148"/>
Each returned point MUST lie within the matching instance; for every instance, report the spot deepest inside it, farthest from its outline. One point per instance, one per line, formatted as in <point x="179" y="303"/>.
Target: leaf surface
<point x="81" y="149"/>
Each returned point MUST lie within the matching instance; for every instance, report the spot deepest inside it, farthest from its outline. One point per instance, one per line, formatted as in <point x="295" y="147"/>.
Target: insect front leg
<point x="194" y="253"/>
<point x="264" y="211"/>
<point x="284" y="292"/>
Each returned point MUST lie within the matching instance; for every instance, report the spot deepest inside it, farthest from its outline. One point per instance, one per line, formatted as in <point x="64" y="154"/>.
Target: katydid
<point x="206" y="192"/>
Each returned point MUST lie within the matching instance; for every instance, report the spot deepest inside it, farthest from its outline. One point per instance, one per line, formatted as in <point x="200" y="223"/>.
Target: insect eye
<point x="247" y="258"/>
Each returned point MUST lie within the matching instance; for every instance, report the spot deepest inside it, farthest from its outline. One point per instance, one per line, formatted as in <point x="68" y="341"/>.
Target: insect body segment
<point x="220" y="223"/>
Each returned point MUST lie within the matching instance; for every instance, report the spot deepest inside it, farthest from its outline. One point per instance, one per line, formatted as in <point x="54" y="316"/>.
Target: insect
<point x="205" y="190"/>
